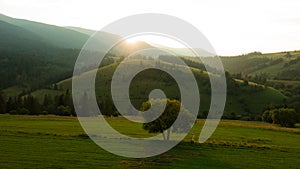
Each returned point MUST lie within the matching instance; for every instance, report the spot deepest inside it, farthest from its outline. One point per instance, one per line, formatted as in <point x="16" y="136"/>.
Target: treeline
<point x="61" y="105"/>
<point x="257" y="78"/>
<point x="36" y="69"/>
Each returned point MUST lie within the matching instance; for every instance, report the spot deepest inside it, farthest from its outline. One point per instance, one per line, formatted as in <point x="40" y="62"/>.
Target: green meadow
<point x="60" y="142"/>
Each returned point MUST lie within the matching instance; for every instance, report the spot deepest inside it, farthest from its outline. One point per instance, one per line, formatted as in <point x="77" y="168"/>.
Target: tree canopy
<point x="165" y="121"/>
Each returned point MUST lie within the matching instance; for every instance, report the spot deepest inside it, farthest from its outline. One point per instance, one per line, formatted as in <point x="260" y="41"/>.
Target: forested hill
<point x="282" y="65"/>
<point x="27" y="59"/>
<point x="279" y="70"/>
<point x="35" y="55"/>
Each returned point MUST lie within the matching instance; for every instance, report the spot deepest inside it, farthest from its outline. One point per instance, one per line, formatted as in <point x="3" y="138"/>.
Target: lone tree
<point x="285" y="117"/>
<point x="288" y="55"/>
<point x="165" y="121"/>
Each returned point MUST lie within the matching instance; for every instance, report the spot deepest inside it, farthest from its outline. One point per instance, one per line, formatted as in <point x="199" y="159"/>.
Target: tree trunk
<point x="163" y="133"/>
<point x="168" y="133"/>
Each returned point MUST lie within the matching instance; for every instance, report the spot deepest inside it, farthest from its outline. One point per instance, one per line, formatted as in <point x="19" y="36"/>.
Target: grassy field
<point x="59" y="142"/>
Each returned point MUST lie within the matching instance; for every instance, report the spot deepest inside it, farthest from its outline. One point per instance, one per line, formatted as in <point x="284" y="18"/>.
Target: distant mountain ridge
<point x="81" y="30"/>
<point x="17" y="38"/>
<point x="57" y="36"/>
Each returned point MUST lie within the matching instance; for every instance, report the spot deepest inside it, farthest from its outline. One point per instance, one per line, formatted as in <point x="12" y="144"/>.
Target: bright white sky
<point x="232" y="26"/>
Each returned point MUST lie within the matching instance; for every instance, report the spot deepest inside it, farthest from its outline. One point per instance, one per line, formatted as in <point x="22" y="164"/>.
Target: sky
<point x="233" y="27"/>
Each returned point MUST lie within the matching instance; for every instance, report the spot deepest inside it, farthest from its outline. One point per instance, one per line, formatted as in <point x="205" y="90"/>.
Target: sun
<point x="132" y="40"/>
<point x="155" y="40"/>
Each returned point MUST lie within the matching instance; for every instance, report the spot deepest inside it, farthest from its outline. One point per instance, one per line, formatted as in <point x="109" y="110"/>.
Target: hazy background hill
<point x="57" y="36"/>
<point x="15" y="38"/>
<point x="81" y="30"/>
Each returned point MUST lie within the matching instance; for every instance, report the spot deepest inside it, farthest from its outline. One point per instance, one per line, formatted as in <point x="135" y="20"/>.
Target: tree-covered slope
<point x="244" y="101"/>
<point x="35" y="55"/>
<point x="282" y="65"/>
<point x="27" y="59"/>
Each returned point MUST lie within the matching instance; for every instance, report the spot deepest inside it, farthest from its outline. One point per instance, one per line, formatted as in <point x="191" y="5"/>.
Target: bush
<point x="24" y="111"/>
<point x="285" y="117"/>
<point x="44" y="112"/>
<point x="13" y="112"/>
<point x="64" y="110"/>
<point x="266" y="116"/>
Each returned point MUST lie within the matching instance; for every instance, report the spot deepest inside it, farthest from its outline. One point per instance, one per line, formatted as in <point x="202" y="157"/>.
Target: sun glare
<point x="155" y="40"/>
<point x="132" y="40"/>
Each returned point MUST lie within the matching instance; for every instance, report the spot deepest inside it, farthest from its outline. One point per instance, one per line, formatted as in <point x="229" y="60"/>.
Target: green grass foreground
<point x="59" y="142"/>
